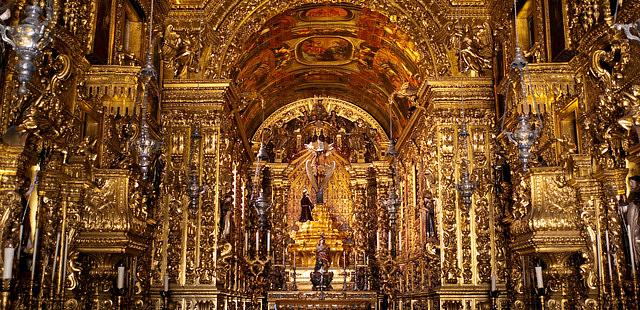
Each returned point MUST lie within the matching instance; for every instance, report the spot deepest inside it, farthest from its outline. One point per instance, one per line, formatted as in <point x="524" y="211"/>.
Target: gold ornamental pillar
<point x="10" y="176"/>
<point x="589" y="195"/>
<point x="200" y="172"/>
<point x="10" y="180"/>
<point x="614" y="186"/>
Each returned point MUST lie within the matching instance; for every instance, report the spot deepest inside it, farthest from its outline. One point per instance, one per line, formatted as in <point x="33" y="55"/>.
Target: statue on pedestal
<point x="305" y="207"/>
<point x="321" y="276"/>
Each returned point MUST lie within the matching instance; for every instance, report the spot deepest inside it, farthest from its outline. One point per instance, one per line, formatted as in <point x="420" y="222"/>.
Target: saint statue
<point x="430" y="226"/>
<point x="226" y="215"/>
<point x="305" y="207"/>
<point x="319" y="171"/>
<point x="322" y="256"/>
<point x="630" y="214"/>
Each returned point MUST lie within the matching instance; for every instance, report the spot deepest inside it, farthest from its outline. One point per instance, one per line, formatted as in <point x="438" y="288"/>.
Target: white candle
<point x="120" y="283"/>
<point x="597" y="255"/>
<point x="8" y="262"/>
<point x="268" y="241"/>
<point x="631" y="249"/>
<point x="55" y="258"/>
<point x="246" y="241"/>
<point x="20" y="238"/>
<point x="493" y="283"/>
<point x="539" y="281"/>
<point x="389" y="240"/>
<point x="606" y="239"/>
<point x="377" y="240"/>
<point x="400" y="241"/>
<point x="65" y="242"/>
<point x="344" y="258"/>
<point x="166" y="282"/>
<point x="284" y="255"/>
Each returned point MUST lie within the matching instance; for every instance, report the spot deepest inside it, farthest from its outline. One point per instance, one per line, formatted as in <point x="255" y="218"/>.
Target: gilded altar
<point x="460" y="154"/>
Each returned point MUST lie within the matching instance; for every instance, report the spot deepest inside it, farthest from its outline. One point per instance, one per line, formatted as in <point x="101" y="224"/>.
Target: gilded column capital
<point x="614" y="181"/>
<point x="9" y="165"/>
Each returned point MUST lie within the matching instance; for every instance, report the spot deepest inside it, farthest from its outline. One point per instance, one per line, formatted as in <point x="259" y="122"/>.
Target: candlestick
<point x="631" y="249"/>
<point x="120" y="282"/>
<point x="35" y="254"/>
<point x="55" y="258"/>
<point x="597" y="255"/>
<point x="166" y="282"/>
<point x="606" y="239"/>
<point x="284" y="256"/>
<point x="65" y="257"/>
<point x="257" y="242"/>
<point x="344" y="259"/>
<point x="539" y="282"/>
<point x="8" y="262"/>
<point x="21" y="235"/>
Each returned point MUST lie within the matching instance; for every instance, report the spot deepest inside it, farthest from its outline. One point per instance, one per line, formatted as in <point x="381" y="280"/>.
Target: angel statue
<point x="318" y="171"/>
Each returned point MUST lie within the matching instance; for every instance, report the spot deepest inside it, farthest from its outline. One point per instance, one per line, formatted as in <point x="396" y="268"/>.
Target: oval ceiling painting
<point x="326" y="14"/>
<point x="324" y="50"/>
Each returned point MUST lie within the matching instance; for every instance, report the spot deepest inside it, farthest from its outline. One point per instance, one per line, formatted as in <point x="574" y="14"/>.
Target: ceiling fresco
<point x="341" y="51"/>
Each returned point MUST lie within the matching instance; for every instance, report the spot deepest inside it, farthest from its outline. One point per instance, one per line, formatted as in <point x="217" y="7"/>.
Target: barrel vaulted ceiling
<point x="358" y="51"/>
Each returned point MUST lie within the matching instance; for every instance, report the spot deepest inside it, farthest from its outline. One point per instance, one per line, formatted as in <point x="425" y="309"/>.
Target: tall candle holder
<point x="119" y="292"/>
<point x="294" y="285"/>
<point x="165" y="294"/>
<point x="541" y="292"/>
<point x="5" y="294"/>
<point x="493" y="297"/>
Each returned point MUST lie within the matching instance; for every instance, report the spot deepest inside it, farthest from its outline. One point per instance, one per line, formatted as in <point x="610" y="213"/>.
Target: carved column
<point x="614" y="186"/>
<point x="197" y="259"/>
<point x="593" y="290"/>
<point x="10" y="180"/>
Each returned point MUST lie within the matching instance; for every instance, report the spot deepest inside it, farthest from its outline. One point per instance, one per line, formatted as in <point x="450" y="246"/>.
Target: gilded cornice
<point x="445" y="93"/>
<point x="192" y="94"/>
<point x="93" y="242"/>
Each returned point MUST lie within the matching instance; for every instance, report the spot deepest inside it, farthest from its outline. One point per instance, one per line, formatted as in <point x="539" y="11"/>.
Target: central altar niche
<point x="320" y="171"/>
<point x="322" y="146"/>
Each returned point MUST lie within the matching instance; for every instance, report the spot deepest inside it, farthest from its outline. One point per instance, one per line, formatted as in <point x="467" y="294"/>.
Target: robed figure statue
<point x="305" y="207"/>
<point x="322" y="255"/>
<point x="321" y="276"/>
<point x="631" y="218"/>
